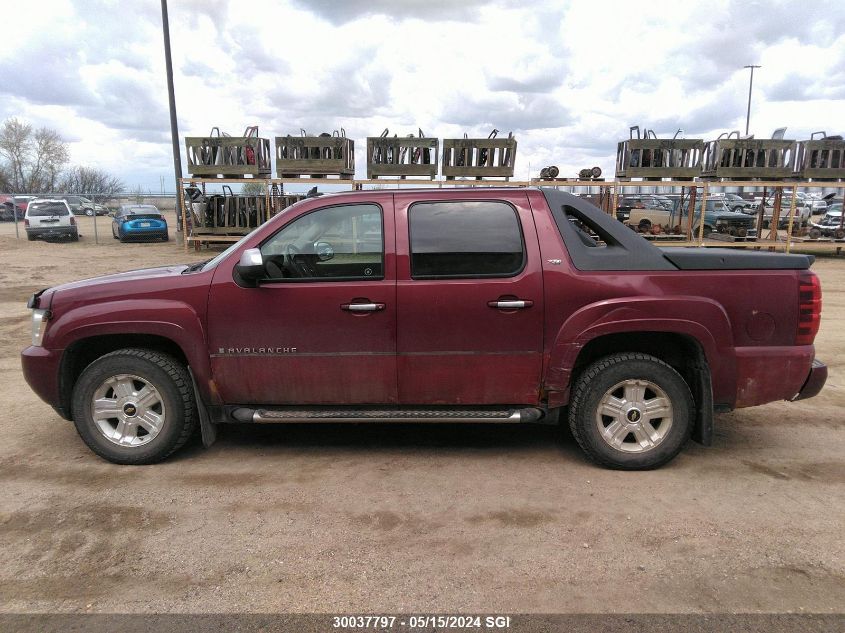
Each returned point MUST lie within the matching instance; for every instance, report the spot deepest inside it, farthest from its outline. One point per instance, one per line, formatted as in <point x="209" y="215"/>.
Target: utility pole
<point x="174" y="127"/>
<point x="750" y="83"/>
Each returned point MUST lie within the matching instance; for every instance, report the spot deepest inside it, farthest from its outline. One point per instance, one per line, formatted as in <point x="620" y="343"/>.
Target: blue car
<point x="139" y="222"/>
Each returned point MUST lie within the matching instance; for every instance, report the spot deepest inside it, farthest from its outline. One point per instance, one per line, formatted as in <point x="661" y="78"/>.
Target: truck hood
<point x="111" y="284"/>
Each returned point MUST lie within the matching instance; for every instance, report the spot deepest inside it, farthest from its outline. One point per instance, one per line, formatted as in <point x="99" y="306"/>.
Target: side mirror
<point x="251" y="265"/>
<point x="324" y="250"/>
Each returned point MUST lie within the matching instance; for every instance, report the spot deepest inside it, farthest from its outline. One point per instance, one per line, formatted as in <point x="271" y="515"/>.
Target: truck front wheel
<point x="134" y="406"/>
<point x="631" y="411"/>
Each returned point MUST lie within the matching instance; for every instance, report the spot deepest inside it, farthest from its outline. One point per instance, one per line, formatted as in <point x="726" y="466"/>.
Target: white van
<point x="50" y="218"/>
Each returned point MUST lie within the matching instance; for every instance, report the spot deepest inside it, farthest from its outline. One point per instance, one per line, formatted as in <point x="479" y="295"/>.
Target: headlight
<point x="39" y="324"/>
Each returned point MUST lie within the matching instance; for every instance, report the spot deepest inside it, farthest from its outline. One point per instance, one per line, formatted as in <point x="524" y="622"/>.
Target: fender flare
<point x="166" y="318"/>
<point x="684" y="315"/>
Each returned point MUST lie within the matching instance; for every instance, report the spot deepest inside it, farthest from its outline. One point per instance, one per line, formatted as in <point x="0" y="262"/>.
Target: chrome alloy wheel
<point x="634" y="416"/>
<point x="128" y="410"/>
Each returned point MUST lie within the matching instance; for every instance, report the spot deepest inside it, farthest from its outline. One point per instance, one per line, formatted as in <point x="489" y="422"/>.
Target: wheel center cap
<point x="130" y="409"/>
<point x="634" y="415"/>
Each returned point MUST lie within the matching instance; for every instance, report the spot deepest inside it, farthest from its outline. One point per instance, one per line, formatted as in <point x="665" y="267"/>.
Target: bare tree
<point x="90" y="181"/>
<point x="32" y="158"/>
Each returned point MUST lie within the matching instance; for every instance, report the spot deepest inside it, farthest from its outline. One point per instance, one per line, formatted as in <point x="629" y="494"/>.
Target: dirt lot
<point x="402" y="518"/>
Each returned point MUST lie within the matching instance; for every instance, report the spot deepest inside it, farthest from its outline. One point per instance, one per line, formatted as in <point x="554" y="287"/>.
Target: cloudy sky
<point x="568" y="78"/>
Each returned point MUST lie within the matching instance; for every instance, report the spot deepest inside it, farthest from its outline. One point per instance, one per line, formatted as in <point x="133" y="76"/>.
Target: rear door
<point x="470" y="299"/>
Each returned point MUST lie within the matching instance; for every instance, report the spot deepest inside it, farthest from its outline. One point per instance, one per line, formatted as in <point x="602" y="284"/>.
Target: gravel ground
<point x="406" y="518"/>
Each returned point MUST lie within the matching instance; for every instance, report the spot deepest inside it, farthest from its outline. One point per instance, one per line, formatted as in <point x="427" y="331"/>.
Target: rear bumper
<point x="143" y="234"/>
<point x="769" y="374"/>
<point x="48" y="232"/>
<point x="815" y="381"/>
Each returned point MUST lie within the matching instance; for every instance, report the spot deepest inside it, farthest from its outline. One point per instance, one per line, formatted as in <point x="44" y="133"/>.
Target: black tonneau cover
<point x="619" y="248"/>
<point x="730" y="259"/>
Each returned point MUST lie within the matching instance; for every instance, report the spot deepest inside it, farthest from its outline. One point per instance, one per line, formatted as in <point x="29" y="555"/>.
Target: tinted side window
<point x="465" y="239"/>
<point x="333" y="243"/>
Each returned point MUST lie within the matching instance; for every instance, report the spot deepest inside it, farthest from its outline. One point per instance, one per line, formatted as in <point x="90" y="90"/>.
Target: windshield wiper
<point x="195" y="267"/>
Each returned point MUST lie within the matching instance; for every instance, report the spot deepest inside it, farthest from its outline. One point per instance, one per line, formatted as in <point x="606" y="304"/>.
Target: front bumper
<point x="41" y="372"/>
<point x="815" y="381"/>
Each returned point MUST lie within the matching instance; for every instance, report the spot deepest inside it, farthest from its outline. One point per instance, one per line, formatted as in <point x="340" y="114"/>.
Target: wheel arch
<point x="85" y="350"/>
<point x="691" y="334"/>
<point x="682" y="352"/>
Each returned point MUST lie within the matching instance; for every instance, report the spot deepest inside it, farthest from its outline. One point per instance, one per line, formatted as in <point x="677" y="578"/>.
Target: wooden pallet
<point x="228" y="156"/>
<point x="478" y="157"/>
<point x="315" y="156"/>
<point x="401" y="157"/>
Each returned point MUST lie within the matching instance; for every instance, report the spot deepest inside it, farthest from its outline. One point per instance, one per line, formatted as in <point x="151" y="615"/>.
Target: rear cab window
<point x="465" y="239"/>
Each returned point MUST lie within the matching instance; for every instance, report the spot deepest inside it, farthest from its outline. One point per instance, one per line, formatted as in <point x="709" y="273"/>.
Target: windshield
<point x="38" y="209"/>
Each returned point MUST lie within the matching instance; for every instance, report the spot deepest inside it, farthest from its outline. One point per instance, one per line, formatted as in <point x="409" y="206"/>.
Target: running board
<point x="244" y="414"/>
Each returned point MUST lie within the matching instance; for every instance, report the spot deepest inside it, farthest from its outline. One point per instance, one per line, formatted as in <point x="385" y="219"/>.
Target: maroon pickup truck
<point x="460" y="305"/>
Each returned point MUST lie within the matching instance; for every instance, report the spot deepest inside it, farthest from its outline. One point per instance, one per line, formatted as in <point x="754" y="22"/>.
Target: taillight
<point x="26" y="221"/>
<point x="72" y="220"/>
<point x="809" y="308"/>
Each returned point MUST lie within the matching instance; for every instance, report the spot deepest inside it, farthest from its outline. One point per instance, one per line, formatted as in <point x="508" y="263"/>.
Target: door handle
<point x="515" y="304"/>
<point x="362" y="307"/>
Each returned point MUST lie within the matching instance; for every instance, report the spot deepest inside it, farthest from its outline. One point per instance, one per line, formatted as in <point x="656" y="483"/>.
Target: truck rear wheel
<point x="631" y="411"/>
<point x="134" y="406"/>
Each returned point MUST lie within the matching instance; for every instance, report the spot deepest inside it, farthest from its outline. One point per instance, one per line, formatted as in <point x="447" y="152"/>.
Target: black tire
<point x="30" y="237"/>
<point x="597" y="379"/>
<point x="74" y="237"/>
<point x="172" y="381"/>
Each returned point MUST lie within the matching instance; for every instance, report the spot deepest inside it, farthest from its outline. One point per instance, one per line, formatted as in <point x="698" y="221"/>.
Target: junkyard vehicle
<point x="640" y="201"/>
<point x="817" y="202"/>
<point x="20" y="203"/>
<point x="735" y="203"/>
<point x="80" y="205"/>
<point x="831" y="224"/>
<point x="7" y="208"/>
<point x="139" y="222"/>
<point x="48" y="218"/>
<point x="803" y="211"/>
<point x="717" y="218"/>
<point x="462" y="305"/>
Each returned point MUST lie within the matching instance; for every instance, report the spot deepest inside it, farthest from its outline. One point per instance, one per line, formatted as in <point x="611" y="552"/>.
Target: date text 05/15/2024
<point x="380" y="622"/>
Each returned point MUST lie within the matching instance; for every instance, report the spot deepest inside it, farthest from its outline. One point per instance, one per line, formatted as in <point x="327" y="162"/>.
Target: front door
<point x="321" y="329"/>
<point x="470" y="296"/>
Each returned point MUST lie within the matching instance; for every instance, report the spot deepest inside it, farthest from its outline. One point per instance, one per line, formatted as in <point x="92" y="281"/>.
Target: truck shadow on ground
<point x="357" y="437"/>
